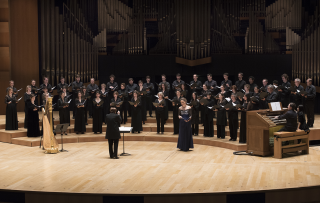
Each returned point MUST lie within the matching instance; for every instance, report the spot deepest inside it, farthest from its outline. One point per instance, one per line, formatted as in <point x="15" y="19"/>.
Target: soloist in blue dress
<point x="185" y="140"/>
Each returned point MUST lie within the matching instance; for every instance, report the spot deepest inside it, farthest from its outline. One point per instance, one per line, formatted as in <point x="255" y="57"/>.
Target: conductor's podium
<point x="280" y="137"/>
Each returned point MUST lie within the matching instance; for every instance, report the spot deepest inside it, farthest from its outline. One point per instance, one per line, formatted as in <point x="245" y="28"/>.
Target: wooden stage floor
<point x="155" y="166"/>
<point x="152" y="168"/>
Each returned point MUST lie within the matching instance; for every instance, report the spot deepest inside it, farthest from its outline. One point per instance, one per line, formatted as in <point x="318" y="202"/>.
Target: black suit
<point x="292" y="124"/>
<point x="113" y="134"/>
<point x="309" y="103"/>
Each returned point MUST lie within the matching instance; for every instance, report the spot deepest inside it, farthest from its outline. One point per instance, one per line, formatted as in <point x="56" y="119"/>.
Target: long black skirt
<point x="143" y="108"/>
<point x="97" y="120"/>
<point x="185" y="140"/>
<point x="80" y="123"/>
<point x="243" y="128"/>
<point x="136" y="121"/>
<point x="33" y="124"/>
<point x="25" y="117"/>
<point x="11" y="117"/>
<point x="176" y="120"/>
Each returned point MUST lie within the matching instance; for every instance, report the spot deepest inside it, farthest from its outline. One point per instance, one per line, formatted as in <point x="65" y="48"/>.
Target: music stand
<point x="125" y="130"/>
<point x="61" y="128"/>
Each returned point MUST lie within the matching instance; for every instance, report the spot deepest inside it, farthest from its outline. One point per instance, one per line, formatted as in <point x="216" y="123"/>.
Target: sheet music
<point x="125" y="129"/>
<point x="275" y="106"/>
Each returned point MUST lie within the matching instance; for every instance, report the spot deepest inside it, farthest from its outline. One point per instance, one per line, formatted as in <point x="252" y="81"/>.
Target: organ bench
<point x="280" y="137"/>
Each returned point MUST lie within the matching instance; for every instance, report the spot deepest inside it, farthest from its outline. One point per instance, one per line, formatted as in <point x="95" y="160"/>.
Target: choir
<point x="207" y="99"/>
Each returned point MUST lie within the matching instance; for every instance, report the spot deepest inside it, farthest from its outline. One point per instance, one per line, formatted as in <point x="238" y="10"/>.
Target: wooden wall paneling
<point x="314" y="56"/>
<point x="47" y="40"/>
<point x="5" y="60"/>
<point x="4" y="50"/>
<point x="72" y="78"/>
<point x="61" y="35"/>
<point x="87" y="60"/>
<point x="96" y="67"/>
<point x="24" y="43"/>
<point x="4" y="75"/>
<point x="81" y="59"/>
<point x="76" y="64"/>
<point x="65" y="50"/>
<point x="318" y="57"/>
<point x="300" y="59"/>
<point x="95" y="61"/>
<point x="57" y="43"/>
<point x="4" y="34"/>
<point x="85" y="56"/>
<point x="78" y="55"/>
<point x="311" y="49"/>
<point x="69" y="54"/>
<point x="52" y="43"/>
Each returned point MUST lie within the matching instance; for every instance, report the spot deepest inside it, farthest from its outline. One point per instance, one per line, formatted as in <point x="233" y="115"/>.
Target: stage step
<point x="144" y="136"/>
<point x="6" y="136"/>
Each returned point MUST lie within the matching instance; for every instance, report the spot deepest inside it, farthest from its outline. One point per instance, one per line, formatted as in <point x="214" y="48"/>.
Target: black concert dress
<point x="80" y="123"/>
<point x="97" y="117"/>
<point x="11" y="113"/>
<point x="136" y="120"/>
<point x="185" y="141"/>
<point x="33" y="121"/>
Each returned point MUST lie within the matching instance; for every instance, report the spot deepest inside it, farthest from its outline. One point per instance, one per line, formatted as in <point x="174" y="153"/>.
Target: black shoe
<point x="138" y="131"/>
<point x="82" y="133"/>
<point x="77" y="133"/>
<point x="66" y="133"/>
<point x="132" y="132"/>
<point x="196" y="134"/>
<point x="150" y="116"/>
<point x="311" y="126"/>
<point x="94" y="133"/>
<point x="86" y="123"/>
<point x="230" y="139"/>
<point x="234" y="140"/>
<point x="161" y="132"/>
<point x="223" y="138"/>
<point x="111" y="157"/>
<point x="144" y="122"/>
<point x="218" y="137"/>
<point x="100" y="132"/>
<point x="124" y="123"/>
<point x="158" y="133"/>
<point x="72" y="117"/>
<point x="116" y="157"/>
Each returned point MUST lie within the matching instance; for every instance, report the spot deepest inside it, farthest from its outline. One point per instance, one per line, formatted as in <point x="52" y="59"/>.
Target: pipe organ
<point x="193" y="28"/>
<point x="284" y="13"/>
<point x="167" y="28"/>
<point x="189" y="29"/>
<point x="67" y="46"/>
<point x="306" y="53"/>
<point x="225" y="23"/>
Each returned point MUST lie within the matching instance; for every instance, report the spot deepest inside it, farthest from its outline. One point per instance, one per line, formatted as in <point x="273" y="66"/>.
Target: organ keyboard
<point x="261" y="125"/>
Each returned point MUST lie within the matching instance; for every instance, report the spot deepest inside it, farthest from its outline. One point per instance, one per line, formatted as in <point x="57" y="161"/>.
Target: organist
<point x="291" y="118"/>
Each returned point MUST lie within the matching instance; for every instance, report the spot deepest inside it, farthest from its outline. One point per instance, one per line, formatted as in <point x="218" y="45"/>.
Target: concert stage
<point x="156" y="171"/>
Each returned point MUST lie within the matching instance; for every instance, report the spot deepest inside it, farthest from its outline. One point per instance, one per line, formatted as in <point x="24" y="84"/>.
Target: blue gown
<point x="185" y="140"/>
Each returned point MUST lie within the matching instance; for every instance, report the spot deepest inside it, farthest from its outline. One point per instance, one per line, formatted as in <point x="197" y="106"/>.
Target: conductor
<point x="113" y="121"/>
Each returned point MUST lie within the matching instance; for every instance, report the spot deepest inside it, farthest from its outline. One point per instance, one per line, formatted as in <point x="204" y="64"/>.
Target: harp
<point x="50" y="143"/>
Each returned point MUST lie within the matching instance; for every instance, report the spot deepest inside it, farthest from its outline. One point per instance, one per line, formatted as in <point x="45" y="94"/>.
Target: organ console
<point x="261" y="125"/>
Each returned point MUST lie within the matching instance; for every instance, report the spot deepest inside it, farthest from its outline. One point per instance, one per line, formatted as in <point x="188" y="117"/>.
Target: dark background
<point x="139" y="66"/>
